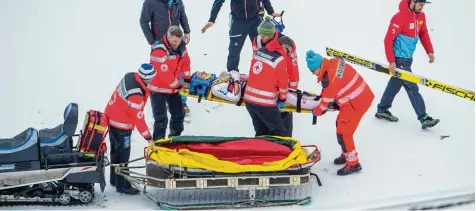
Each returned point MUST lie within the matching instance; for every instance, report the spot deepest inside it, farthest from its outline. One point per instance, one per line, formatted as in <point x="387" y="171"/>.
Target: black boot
<point x="428" y="122"/>
<point x="112" y="176"/>
<point x="346" y="170"/>
<point x="128" y="190"/>
<point x="387" y="116"/>
<point x="340" y="160"/>
<point x="173" y="133"/>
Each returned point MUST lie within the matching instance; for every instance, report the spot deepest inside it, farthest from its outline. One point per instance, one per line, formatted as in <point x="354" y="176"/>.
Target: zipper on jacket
<point x="170" y="21"/>
<point x="246" y="11"/>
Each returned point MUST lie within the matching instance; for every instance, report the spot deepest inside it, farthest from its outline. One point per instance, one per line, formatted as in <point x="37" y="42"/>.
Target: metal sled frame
<point x="185" y="188"/>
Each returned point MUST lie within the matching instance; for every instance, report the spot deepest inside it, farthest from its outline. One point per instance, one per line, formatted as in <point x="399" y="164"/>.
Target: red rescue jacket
<point x="342" y="85"/>
<point x="268" y="78"/>
<point x="170" y="64"/>
<point x="292" y="59"/>
<point x="126" y="105"/>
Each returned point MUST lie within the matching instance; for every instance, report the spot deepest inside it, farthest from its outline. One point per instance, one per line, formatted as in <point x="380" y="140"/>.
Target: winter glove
<point x="334" y="106"/>
<point x="148" y="138"/>
<point x="235" y="75"/>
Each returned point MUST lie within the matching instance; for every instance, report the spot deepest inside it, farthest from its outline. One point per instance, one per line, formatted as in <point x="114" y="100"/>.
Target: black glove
<point x="334" y="106"/>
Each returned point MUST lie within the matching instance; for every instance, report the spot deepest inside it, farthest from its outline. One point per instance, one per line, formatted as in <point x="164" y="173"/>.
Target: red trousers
<point x="346" y="124"/>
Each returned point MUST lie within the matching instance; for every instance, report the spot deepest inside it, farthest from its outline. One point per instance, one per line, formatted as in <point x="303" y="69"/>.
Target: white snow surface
<point x="54" y="52"/>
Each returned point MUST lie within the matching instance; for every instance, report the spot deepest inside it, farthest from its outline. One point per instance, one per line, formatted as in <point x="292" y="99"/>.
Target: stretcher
<point x="212" y="172"/>
<point x="288" y="108"/>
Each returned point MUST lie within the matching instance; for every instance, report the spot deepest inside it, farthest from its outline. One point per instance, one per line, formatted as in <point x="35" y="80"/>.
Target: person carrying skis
<point x="401" y="39"/>
<point x="246" y="15"/>
<point x="267" y="33"/>
<point x="266" y="90"/>
<point x="125" y="110"/>
<point x="345" y="90"/>
<point x="171" y="58"/>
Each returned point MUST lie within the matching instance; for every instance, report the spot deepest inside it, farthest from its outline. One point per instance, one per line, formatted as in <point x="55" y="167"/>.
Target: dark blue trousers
<point x="393" y="87"/>
<point x="159" y="109"/>
<point x="239" y="30"/>
<point x="120" y="151"/>
<point x="266" y="120"/>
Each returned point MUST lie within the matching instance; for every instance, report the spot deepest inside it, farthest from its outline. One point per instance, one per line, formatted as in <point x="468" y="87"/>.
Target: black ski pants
<point x="288" y="122"/>
<point x="266" y="120"/>
<point x="120" y="141"/>
<point x="159" y="103"/>
<point x="239" y="30"/>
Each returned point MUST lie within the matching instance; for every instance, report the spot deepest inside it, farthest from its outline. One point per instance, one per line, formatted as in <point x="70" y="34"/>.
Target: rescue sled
<point x="210" y="172"/>
<point x="44" y="166"/>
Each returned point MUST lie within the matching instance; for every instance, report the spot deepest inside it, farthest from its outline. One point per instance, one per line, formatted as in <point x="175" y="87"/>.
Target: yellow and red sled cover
<point x="229" y="154"/>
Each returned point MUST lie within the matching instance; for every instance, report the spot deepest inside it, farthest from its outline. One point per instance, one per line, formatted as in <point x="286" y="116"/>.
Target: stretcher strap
<point x="299" y="98"/>
<point x="242" y="94"/>
<point x="314" y="120"/>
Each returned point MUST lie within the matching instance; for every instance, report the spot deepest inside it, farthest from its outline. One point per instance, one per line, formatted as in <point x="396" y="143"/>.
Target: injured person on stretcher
<point x="230" y="86"/>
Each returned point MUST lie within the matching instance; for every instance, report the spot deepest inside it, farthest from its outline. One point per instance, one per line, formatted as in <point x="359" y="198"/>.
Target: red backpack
<point x="94" y="132"/>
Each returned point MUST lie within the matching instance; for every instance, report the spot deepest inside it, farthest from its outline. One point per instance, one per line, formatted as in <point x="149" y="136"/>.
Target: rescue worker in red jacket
<point x="170" y="58"/>
<point x="124" y="112"/>
<point x="267" y="33"/>
<point x="344" y="89"/>
<point x="266" y="89"/>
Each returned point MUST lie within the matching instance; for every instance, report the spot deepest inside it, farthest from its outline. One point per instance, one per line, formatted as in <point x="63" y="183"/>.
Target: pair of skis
<point x="402" y="74"/>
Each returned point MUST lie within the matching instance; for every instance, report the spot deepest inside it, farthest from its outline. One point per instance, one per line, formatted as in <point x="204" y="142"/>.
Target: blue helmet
<point x="201" y="87"/>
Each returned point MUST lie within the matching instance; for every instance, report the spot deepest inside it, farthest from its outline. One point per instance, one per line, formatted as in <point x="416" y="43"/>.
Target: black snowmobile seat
<point x="20" y="152"/>
<point x="20" y="142"/>
<point x="54" y="142"/>
<point x="57" y="135"/>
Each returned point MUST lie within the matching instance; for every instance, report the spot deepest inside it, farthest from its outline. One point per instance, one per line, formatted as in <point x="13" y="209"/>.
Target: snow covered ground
<point x="53" y="52"/>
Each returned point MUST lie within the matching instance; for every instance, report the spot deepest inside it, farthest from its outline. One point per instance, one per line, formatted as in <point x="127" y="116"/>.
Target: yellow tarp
<point x="189" y="159"/>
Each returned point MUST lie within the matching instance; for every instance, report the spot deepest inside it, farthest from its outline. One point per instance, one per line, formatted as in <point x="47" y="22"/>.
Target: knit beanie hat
<point x="314" y="60"/>
<point x="147" y="71"/>
<point x="266" y="27"/>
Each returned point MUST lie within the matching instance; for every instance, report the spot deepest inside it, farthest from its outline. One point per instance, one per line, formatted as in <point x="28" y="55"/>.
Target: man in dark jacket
<point x="158" y="15"/>
<point x="246" y="15"/>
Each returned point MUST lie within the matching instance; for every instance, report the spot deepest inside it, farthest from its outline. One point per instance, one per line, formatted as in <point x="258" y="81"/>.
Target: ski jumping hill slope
<point x="54" y="52"/>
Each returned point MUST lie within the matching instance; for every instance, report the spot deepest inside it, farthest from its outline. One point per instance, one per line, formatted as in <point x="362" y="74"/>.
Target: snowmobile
<point x="212" y="172"/>
<point x="43" y="166"/>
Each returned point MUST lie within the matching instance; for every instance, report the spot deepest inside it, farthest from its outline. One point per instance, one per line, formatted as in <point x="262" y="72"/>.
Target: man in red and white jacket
<point x="125" y="110"/>
<point x="406" y="28"/>
<point x="170" y="59"/>
<point x="268" y="34"/>
<point x="267" y="89"/>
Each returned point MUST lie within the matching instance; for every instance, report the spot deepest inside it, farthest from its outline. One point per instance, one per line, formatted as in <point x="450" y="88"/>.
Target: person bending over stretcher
<point x="229" y="85"/>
